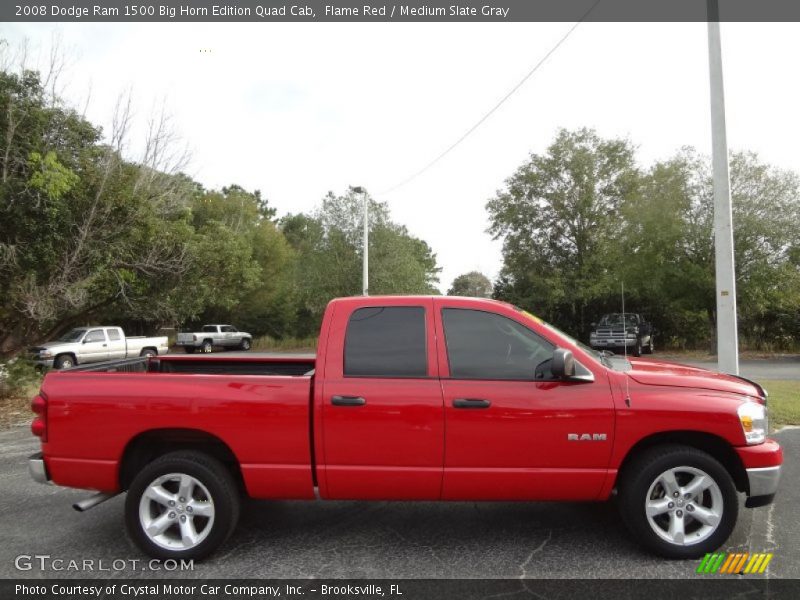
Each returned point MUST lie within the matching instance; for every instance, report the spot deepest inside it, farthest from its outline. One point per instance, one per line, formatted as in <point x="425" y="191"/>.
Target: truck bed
<point x="259" y="408"/>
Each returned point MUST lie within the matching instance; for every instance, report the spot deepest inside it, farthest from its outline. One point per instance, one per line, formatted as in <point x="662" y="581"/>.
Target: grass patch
<point x="269" y="344"/>
<point x="783" y="402"/>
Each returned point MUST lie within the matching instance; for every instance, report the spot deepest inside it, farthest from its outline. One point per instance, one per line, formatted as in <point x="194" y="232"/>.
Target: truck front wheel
<point x="183" y="505"/>
<point x="678" y="501"/>
<point x="64" y="361"/>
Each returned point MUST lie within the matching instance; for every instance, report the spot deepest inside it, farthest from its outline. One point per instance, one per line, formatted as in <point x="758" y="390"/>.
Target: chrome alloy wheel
<point x="684" y="506"/>
<point x="176" y="511"/>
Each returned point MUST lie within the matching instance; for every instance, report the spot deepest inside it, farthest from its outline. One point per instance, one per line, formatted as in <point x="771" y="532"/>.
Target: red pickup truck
<point x="410" y="398"/>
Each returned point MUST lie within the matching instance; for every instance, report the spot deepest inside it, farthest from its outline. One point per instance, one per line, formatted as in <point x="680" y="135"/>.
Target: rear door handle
<point x="348" y="401"/>
<point x="471" y="403"/>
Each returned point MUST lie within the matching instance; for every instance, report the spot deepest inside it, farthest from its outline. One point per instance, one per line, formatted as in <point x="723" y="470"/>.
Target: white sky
<point x="297" y="109"/>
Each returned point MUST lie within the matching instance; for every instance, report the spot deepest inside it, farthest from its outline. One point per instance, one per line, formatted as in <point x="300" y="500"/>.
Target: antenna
<point x="625" y="347"/>
<point x="624" y="324"/>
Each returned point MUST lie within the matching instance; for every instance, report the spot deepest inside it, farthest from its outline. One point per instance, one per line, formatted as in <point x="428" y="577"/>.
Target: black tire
<point x="217" y="481"/>
<point x="644" y="471"/>
<point x="64" y="361"/>
<point x="637" y="349"/>
<point x="206" y="347"/>
<point x="650" y="346"/>
<point x="245" y="345"/>
<point x="188" y="349"/>
<point x="148" y="352"/>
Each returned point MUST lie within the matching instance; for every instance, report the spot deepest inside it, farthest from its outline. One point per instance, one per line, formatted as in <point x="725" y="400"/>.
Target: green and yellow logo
<point x="737" y="563"/>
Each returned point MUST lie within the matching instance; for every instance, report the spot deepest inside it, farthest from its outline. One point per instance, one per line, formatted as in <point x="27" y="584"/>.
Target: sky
<point x="298" y="109"/>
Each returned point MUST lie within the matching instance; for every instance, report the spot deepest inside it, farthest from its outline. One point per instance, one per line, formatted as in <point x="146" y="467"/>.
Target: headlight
<point x="755" y="424"/>
<point x="45" y="354"/>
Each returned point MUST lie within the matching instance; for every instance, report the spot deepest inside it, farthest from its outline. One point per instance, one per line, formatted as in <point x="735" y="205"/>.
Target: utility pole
<point x="365" y="266"/>
<point x="727" y="337"/>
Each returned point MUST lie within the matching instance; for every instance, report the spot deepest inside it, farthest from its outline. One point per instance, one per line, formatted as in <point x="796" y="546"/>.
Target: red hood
<point x="653" y="372"/>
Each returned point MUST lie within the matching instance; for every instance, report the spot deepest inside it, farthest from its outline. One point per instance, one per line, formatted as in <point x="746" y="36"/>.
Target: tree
<point x="559" y="219"/>
<point x="474" y="284"/>
<point x="87" y="235"/>
<point x="669" y="245"/>
<point x="329" y="246"/>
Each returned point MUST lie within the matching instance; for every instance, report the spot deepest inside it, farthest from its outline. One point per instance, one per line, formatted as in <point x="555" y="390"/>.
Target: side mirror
<point x="563" y="365"/>
<point x="593" y="325"/>
<point x="84" y="341"/>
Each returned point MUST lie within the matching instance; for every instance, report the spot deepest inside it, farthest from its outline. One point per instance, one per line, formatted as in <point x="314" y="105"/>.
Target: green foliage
<point x="559" y="217"/>
<point x="581" y="219"/>
<point x="88" y="236"/>
<point x="473" y="284"/>
<point x="17" y="378"/>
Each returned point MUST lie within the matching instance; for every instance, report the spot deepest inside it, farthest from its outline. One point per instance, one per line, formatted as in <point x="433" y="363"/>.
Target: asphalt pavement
<point x="378" y="539"/>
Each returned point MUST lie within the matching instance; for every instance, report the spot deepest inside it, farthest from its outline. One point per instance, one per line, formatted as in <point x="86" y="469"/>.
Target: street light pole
<point x="727" y="337"/>
<point x="365" y="266"/>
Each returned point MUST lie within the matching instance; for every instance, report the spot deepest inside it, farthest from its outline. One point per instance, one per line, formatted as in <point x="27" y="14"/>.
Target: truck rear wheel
<point x="678" y="501"/>
<point x="182" y="505"/>
<point x="206" y="346"/>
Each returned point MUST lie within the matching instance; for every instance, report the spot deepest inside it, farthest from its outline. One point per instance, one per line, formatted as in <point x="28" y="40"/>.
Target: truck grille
<point x="609" y="332"/>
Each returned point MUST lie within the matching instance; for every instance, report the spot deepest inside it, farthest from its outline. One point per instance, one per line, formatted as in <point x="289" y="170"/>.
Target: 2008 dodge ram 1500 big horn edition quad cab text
<point x="410" y="398"/>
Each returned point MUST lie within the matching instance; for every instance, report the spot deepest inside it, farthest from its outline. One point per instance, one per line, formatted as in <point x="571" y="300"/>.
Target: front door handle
<point x="348" y="401"/>
<point x="471" y="403"/>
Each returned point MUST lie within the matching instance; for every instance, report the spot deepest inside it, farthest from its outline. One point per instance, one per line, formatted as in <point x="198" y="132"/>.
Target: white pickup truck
<point x="95" y="344"/>
<point x="223" y="336"/>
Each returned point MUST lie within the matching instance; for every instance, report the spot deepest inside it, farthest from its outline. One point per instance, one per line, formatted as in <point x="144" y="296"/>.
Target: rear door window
<point x="386" y="341"/>
<point x="113" y="335"/>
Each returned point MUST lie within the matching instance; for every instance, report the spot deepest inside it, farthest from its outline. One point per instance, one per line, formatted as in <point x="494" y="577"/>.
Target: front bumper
<point x="43" y="362"/>
<point x="38" y="469"/>
<point x="763" y="483"/>
<point x="611" y="343"/>
<point x="762" y="463"/>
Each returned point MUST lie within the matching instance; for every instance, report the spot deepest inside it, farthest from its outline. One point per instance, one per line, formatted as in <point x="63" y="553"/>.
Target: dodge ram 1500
<point x="410" y="398"/>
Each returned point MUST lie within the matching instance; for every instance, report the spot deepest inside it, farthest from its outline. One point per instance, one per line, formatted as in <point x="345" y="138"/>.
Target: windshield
<point x="615" y="320"/>
<point x="72" y="336"/>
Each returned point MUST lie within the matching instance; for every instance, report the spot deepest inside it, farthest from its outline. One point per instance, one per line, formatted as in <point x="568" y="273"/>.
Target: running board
<point x="92" y="501"/>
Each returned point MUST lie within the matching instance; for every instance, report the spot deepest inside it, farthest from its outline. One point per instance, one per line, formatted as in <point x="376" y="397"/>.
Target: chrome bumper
<point x="37" y="468"/>
<point x="764" y="481"/>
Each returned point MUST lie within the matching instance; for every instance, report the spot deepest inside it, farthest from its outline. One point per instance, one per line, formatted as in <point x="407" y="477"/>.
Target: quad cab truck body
<point x="410" y="398"/>
<point x="84" y="345"/>
<point x="223" y="336"/>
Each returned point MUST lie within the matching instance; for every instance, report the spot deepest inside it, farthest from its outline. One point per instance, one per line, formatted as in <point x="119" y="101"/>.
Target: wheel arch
<point x="147" y="446"/>
<point x="714" y="445"/>
<point x="70" y="354"/>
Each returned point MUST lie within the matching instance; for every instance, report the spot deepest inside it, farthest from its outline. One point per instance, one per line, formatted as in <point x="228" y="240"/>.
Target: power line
<point x="496" y="106"/>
